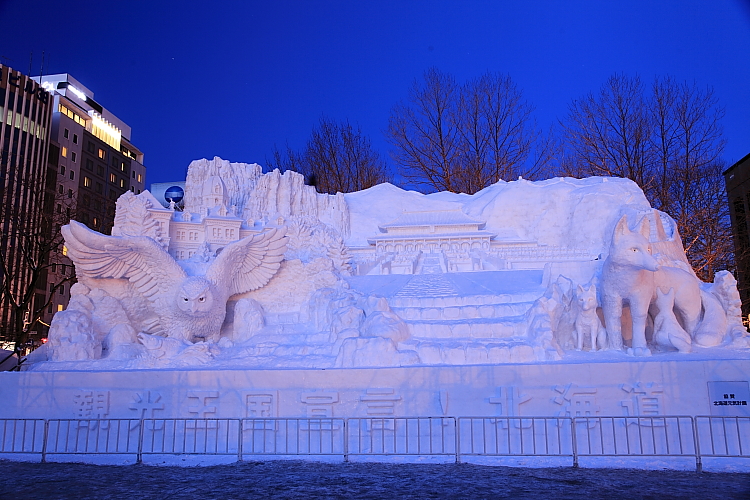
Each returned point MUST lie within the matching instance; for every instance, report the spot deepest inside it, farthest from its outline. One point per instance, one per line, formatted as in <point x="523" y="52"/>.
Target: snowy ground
<point x="306" y="480"/>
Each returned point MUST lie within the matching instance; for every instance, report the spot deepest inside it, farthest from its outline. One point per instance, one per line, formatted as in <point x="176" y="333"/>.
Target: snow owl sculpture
<point x="190" y="308"/>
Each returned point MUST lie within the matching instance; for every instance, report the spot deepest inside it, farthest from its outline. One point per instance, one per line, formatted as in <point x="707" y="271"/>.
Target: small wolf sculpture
<point x="667" y="330"/>
<point x="587" y="321"/>
<point x="631" y="275"/>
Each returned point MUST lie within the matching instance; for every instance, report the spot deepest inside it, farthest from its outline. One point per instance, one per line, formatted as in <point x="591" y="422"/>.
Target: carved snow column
<point x="284" y="190"/>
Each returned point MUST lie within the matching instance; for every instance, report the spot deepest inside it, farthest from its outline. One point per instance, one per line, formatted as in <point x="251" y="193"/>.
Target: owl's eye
<point x="185" y="299"/>
<point x="202" y="299"/>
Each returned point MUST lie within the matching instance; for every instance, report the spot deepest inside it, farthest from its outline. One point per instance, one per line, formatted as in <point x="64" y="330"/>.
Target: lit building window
<point x="113" y="178"/>
<point x="64" y="152"/>
<point x="86" y="182"/>
<point x="101" y="153"/>
<point x="64" y="110"/>
<point x="102" y="129"/>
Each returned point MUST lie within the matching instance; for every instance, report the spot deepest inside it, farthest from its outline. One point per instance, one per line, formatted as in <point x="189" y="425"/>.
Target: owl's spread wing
<point x="139" y="259"/>
<point x="249" y="263"/>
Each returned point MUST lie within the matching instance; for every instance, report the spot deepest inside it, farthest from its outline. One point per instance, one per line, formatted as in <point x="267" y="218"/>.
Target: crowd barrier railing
<point x="696" y="437"/>
<point x="292" y="436"/>
<point x="404" y="436"/>
<point x="515" y="436"/>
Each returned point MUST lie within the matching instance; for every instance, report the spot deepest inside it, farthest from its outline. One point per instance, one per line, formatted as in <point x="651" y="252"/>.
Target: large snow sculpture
<point x="190" y="308"/>
<point x="631" y="274"/>
<point x="260" y="271"/>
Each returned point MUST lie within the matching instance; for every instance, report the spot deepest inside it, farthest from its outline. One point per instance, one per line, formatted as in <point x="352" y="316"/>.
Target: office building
<point x="95" y="163"/>
<point x="737" y="179"/>
<point x="25" y="118"/>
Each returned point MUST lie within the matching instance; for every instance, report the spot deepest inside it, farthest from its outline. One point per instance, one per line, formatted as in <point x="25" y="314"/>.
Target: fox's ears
<point x="645" y="228"/>
<point x="621" y="229"/>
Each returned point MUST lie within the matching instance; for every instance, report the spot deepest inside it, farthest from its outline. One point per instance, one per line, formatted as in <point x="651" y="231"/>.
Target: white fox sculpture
<point x="667" y="330"/>
<point x="631" y="275"/>
<point x="587" y="321"/>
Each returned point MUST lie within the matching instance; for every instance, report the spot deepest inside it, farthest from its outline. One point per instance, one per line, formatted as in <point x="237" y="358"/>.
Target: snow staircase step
<point x="461" y="329"/>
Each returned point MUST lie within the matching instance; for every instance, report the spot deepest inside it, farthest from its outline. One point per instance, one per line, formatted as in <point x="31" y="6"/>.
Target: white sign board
<point x="729" y="398"/>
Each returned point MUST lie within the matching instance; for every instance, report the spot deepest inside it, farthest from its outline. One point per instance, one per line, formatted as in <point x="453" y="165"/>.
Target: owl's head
<point x="195" y="297"/>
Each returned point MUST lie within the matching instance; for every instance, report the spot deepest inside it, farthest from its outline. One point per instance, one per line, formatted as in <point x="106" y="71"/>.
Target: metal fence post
<point x="457" y="423"/>
<point x="697" y="444"/>
<point x="574" y="441"/>
<point x="139" y="456"/>
<point x="346" y="440"/>
<point x="239" y="443"/>
<point x="44" y="440"/>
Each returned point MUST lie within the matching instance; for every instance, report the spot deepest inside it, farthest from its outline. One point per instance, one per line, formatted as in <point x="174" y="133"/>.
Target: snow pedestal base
<point x="609" y="383"/>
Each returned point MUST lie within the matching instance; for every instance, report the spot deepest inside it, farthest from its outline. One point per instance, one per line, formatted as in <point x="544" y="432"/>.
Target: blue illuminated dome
<point x="175" y="193"/>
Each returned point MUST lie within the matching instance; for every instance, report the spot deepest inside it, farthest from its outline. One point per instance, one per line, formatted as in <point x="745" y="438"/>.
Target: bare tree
<point x="608" y="133"/>
<point x="496" y="129"/>
<point x="338" y="158"/>
<point x="669" y="141"/>
<point x="703" y="219"/>
<point x="425" y="135"/>
<point x="31" y="246"/>
<point x="462" y="138"/>
<point x="288" y="159"/>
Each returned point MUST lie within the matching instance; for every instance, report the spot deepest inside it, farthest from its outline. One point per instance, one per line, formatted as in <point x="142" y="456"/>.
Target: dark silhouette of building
<point x="737" y="179"/>
<point x="25" y="119"/>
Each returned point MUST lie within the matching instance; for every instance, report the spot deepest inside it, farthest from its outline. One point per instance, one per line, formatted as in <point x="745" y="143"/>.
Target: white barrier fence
<point x="421" y="436"/>
<point x="573" y="437"/>
<point x="516" y="436"/>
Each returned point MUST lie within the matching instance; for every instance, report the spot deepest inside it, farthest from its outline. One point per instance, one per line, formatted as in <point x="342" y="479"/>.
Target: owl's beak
<point x="193" y="307"/>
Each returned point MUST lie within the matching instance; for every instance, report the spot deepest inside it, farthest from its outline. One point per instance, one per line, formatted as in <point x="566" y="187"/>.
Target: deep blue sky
<point x="231" y="79"/>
